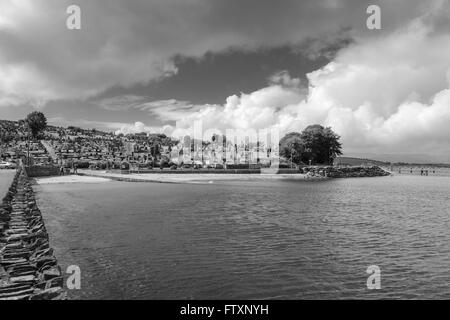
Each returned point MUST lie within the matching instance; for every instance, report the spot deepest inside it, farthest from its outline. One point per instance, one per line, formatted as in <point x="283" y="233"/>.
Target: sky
<point x="162" y="65"/>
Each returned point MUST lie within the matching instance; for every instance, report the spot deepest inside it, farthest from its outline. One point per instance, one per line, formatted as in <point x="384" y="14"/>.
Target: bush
<point x="97" y="165"/>
<point x="115" y="165"/>
<point x="238" y="166"/>
<point x="82" y="164"/>
<point x="163" y="164"/>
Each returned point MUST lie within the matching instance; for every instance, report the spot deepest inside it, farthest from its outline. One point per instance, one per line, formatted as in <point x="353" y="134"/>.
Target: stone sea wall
<point x="42" y="171"/>
<point x="194" y="171"/>
<point x="345" y="172"/>
<point x="311" y="171"/>
<point x="28" y="267"/>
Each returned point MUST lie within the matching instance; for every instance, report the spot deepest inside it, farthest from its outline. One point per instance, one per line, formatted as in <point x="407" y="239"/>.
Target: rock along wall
<point x="345" y="172"/>
<point x="28" y="267"/>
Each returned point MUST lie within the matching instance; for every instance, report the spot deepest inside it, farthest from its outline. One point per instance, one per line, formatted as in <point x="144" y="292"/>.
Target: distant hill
<point x="349" y="161"/>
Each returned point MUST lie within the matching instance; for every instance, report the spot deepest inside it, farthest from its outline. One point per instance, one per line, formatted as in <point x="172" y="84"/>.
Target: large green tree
<point x="321" y="144"/>
<point x="36" y="122"/>
<point x="316" y="144"/>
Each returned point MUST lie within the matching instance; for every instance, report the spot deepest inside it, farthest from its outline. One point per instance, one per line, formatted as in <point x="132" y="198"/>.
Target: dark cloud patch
<point x="215" y="76"/>
<point x="124" y="43"/>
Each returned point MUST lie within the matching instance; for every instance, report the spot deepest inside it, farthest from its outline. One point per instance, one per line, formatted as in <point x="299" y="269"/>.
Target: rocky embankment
<point x="28" y="267"/>
<point x="345" y="172"/>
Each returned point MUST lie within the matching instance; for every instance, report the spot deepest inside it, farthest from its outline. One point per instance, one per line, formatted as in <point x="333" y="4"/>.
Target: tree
<point x="5" y="136"/>
<point x="321" y="144"/>
<point x="316" y="143"/>
<point x="292" y="147"/>
<point x="36" y="123"/>
<point x="155" y="142"/>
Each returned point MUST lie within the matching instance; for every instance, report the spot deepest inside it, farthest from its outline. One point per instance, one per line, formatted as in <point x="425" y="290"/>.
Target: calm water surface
<point x="6" y="178"/>
<point x="253" y="240"/>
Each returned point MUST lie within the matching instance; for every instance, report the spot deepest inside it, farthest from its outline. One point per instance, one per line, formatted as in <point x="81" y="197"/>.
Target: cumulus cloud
<point x="139" y="127"/>
<point x="284" y="79"/>
<point x="171" y="109"/>
<point x="263" y="108"/>
<point x="389" y="94"/>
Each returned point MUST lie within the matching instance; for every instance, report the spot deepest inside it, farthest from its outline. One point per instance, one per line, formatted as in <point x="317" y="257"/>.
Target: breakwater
<point x="312" y="172"/>
<point x="345" y="172"/>
<point x="28" y="267"/>
<point x="309" y="171"/>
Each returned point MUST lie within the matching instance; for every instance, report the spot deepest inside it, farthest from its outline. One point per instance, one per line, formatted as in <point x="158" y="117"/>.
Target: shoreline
<point x="314" y="173"/>
<point x="310" y="174"/>
<point x="192" y="178"/>
<point x="69" y="179"/>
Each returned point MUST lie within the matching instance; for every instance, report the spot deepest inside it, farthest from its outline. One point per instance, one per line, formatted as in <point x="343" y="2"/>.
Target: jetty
<point x="28" y="267"/>
<point x="346" y="172"/>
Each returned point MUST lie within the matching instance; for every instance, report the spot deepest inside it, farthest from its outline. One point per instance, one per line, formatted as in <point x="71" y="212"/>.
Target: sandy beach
<point x="71" y="179"/>
<point x="188" y="178"/>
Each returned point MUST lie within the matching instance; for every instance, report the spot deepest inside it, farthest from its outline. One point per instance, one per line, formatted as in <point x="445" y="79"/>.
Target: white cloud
<point x="383" y="95"/>
<point x="139" y="127"/>
<point x="284" y="79"/>
<point x="169" y="110"/>
<point x="121" y="103"/>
